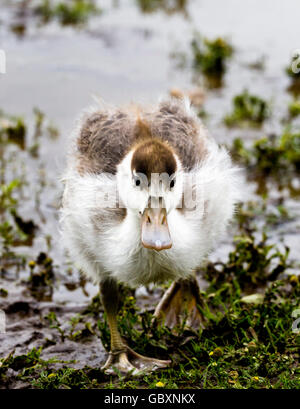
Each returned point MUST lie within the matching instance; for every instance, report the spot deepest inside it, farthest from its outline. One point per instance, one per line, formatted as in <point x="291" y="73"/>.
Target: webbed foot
<point x="127" y="361"/>
<point x="180" y="304"/>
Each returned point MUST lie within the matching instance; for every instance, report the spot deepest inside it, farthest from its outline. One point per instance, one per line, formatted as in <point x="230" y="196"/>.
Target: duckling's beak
<point x="155" y="230"/>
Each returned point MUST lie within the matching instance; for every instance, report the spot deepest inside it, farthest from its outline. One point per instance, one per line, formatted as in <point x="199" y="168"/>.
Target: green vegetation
<point x="42" y="128"/>
<point x="12" y="130"/>
<point x="250" y="266"/>
<point x="247" y="341"/>
<point x="271" y="158"/>
<point x="3" y="293"/>
<point x="248" y="110"/>
<point x="209" y="58"/>
<point x="41" y="278"/>
<point x="294" y="108"/>
<point x="14" y="231"/>
<point x="10" y="235"/>
<point x="271" y="155"/>
<point x="79" y="328"/>
<point x="150" y="6"/>
<point x="69" y="378"/>
<point x="26" y="365"/>
<point x="272" y="214"/>
<point x="45" y="10"/>
<point x="73" y="12"/>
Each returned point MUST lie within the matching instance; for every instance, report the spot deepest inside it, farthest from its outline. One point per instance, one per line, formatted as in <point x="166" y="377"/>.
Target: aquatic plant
<point x="271" y="212"/>
<point x="168" y="6"/>
<point x="42" y="277"/>
<point x="210" y="56"/>
<point x="271" y="158"/>
<point x="74" y="12"/>
<point x="44" y="10"/>
<point x="14" y="231"/>
<point x="12" y="130"/>
<point x="270" y="155"/>
<point x="294" y="108"/>
<point x="290" y="145"/>
<point x="42" y="127"/>
<point x="248" y="110"/>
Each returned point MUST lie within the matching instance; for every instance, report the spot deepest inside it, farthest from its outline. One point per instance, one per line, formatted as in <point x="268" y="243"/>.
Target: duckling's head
<point x="150" y="186"/>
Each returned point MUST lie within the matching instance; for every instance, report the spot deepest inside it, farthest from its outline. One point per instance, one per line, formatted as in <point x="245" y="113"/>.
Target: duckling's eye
<point x="172" y="184"/>
<point x="139" y="180"/>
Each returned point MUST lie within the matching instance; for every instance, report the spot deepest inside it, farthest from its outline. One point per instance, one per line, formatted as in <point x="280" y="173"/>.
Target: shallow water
<point x="124" y="55"/>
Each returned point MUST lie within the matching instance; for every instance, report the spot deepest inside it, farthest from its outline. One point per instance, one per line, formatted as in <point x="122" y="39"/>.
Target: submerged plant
<point x="42" y="127"/>
<point x="272" y="213"/>
<point x="169" y="6"/>
<point x="247" y="110"/>
<point x="290" y="145"/>
<point x="77" y="12"/>
<point x="73" y="12"/>
<point x="45" y="10"/>
<point x="12" y="130"/>
<point x="14" y="231"/>
<point x="271" y="155"/>
<point x="41" y="278"/>
<point x="210" y="56"/>
<point x="271" y="158"/>
<point x="294" y="108"/>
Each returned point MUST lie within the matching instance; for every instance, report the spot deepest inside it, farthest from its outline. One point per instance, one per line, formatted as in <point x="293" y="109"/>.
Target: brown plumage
<point x="153" y="156"/>
<point x="106" y="137"/>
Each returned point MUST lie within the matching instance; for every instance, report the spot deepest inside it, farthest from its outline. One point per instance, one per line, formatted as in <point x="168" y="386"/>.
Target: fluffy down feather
<point x="105" y="240"/>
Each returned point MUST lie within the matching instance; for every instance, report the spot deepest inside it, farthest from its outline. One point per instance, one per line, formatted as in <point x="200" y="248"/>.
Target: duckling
<point x="148" y="194"/>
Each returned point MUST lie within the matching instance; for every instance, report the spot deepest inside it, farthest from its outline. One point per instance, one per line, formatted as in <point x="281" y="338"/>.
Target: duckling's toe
<point x="180" y="305"/>
<point x="129" y="362"/>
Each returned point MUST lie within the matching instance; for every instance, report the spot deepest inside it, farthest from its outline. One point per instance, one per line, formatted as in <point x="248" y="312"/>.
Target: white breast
<point x="113" y="247"/>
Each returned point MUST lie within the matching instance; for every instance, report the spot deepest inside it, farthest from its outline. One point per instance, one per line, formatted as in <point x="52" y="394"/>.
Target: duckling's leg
<point x="122" y="358"/>
<point x="180" y="305"/>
